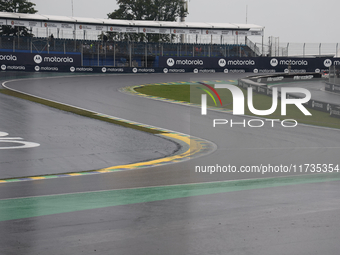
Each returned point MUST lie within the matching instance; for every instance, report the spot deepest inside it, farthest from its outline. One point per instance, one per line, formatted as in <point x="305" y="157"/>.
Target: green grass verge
<point x="75" y="110"/>
<point x="190" y="93"/>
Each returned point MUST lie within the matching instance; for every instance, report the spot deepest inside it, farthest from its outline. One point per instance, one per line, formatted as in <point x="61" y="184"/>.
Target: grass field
<point x="191" y="93"/>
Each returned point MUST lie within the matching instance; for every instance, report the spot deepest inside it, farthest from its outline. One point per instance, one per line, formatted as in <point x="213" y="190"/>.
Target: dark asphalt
<point x="68" y="142"/>
<point x="297" y="219"/>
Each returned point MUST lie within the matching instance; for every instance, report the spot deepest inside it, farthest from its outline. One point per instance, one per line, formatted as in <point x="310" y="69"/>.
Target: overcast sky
<point x="294" y="21"/>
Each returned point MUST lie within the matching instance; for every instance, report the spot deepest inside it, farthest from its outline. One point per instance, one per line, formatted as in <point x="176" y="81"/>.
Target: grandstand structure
<point x="86" y="36"/>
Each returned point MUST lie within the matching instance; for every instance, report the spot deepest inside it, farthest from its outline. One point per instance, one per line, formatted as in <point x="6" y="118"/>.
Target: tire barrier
<point x="259" y="84"/>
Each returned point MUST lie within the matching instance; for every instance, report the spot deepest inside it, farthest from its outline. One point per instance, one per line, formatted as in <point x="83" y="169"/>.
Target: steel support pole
<point x="114" y="55"/>
<point x="304" y="45"/>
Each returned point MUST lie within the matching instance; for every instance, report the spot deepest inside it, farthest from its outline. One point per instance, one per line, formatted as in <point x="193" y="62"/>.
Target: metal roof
<point x="136" y="23"/>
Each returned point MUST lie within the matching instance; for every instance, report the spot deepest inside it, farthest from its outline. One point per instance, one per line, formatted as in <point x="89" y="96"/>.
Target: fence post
<point x="105" y="47"/>
<point x="98" y="53"/>
<point x="320" y="49"/>
<point x="287" y="49"/>
<point x="336" y="53"/>
<point x="130" y="54"/>
<point x="75" y="42"/>
<point x="146" y="55"/>
<point x="82" y="54"/>
<point x="18" y="38"/>
<point x="304" y="49"/>
<point x="262" y="42"/>
<point x="114" y="55"/>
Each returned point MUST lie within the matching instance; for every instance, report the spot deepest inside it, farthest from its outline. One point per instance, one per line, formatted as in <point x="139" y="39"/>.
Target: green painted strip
<point x="47" y="205"/>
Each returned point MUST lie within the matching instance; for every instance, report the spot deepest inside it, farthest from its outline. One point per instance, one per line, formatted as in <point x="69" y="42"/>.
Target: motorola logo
<point x="37" y="68"/>
<point x="170" y="62"/>
<point x="274" y="62"/>
<point x="104" y="69"/>
<point x="327" y="63"/>
<point x="135" y="70"/>
<point x="222" y="62"/>
<point x="3" y="67"/>
<point x="72" y="69"/>
<point x="165" y="70"/>
<point x="37" y="59"/>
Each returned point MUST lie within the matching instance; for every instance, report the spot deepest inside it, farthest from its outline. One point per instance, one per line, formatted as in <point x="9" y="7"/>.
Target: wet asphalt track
<point x="298" y="219"/>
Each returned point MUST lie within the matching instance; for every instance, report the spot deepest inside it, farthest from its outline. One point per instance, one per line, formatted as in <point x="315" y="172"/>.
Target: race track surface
<point x="168" y="209"/>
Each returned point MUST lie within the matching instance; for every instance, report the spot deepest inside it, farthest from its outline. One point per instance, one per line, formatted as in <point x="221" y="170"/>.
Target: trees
<point x="158" y="10"/>
<point x="18" y="6"/>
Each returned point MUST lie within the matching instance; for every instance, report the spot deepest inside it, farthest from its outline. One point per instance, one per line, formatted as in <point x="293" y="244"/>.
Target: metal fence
<point x="282" y="49"/>
<point x="334" y="75"/>
<point x="124" y="54"/>
<point x="39" y="45"/>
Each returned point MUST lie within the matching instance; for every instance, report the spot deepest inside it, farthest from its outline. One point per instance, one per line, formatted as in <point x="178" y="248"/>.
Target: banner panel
<point x="132" y="30"/>
<point x="33" y="59"/>
<point x="117" y="29"/>
<point x="149" y="30"/>
<point x="52" y="25"/>
<point x="23" y="23"/>
<point x="251" y="64"/>
<point x="180" y="31"/>
<point x="67" y="26"/>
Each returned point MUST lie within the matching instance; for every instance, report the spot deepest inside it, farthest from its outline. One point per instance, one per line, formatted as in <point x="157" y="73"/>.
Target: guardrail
<point x="259" y="84"/>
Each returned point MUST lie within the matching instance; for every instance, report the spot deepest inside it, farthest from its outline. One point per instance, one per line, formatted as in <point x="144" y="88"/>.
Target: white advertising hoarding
<point x="24" y="23"/>
<point x="67" y="26"/>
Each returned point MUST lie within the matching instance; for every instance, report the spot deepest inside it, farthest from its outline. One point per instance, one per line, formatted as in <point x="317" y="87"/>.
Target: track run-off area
<point x="152" y="206"/>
